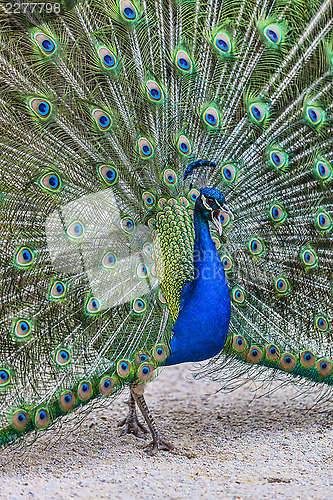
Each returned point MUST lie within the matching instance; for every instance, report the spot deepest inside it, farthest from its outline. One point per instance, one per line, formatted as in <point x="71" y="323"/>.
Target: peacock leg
<point x="158" y="443"/>
<point x="131" y="421"/>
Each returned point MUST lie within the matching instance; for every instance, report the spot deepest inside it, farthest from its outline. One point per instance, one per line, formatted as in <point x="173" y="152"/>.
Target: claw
<point x="157" y="444"/>
<point x="133" y="426"/>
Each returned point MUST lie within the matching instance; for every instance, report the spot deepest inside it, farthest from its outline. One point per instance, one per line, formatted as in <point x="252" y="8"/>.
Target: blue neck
<point x="201" y="328"/>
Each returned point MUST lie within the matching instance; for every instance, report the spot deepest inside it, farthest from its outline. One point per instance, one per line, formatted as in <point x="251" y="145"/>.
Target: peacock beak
<point x="216" y="217"/>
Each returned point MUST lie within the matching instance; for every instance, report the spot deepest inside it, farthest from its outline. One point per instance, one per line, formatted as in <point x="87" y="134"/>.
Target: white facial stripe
<point x="204" y="203"/>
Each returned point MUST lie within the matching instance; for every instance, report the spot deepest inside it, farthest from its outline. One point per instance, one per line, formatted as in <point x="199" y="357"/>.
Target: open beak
<point x="216" y="217"/>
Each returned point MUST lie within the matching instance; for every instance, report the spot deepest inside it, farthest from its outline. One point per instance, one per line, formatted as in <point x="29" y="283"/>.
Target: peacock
<point x="166" y="197"/>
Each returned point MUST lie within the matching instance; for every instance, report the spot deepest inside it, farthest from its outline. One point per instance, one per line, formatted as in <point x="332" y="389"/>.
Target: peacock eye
<point x="210" y="201"/>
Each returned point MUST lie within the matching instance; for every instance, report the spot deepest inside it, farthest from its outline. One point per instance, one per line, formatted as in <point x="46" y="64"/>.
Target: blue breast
<point x="201" y="328"/>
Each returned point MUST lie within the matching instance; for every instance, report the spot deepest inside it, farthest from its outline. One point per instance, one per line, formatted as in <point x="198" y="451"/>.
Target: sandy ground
<point x="228" y="446"/>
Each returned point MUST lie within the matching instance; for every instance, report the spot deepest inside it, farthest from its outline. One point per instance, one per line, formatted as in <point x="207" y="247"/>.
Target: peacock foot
<point x="133" y="426"/>
<point x="158" y="443"/>
<point x="131" y="422"/>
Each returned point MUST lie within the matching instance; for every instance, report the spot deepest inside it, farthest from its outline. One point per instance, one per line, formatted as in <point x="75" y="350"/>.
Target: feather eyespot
<point x="211" y="117"/>
<point x="184" y="146"/>
<point x="50" y="181"/>
<point x="148" y="249"/>
<point x="42" y="418"/>
<point x="57" y="290"/>
<point x="277" y="213"/>
<point x="109" y="260"/>
<point x="239" y="343"/>
<point x="142" y="271"/>
<point x="323" y="221"/>
<point x="128" y="11"/>
<point x="287" y="362"/>
<point x="321" y="323"/>
<point x="227" y="262"/>
<point x="146" y="372"/>
<point x="322" y="170"/>
<point x="107" y="58"/>
<point x="22" y="329"/>
<point x="256" y="246"/>
<point x="324" y="367"/>
<point x="161" y="297"/>
<point x="67" y="400"/>
<point x="20" y="419"/>
<point x="102" y="119"/>
<point x="272" y="352"/>
<point x="24" y="257"/>
<point x="229" y="173"/>
<point x="127" y="225"/>
<point x="123" y="368"/>
<point x="152" y="223"/>
<point x="183" y="62"/>
<point x="139" y="305"/>
<point x="307" y="359"/>
<point x="278" y="159"/>
<point x="62" y="356"/>
<point x="273" y="34"/>
<point x="84" y="390"/>
<point x="75" y="230"/>
<point x="193" y="195"/>
<point x="309" y="258"/>
<point x="154" y="91"/>
<point x="238" y="295"/>
<point x="183" y="201"/>
<point x="225" y="218"/>
<point x="5" y="377"/>
<point x="254" y="355"/>
<point x="93" y="306"/>
<point x="149" y="199"/>
<point x="46" y="44"/>
<point x="41" y="107"/>
<point x="160" y="352"/>
<point x="170" y="177"/>
<point x="281" y="285"/>
<point x="141" y="357"/>
<point x="257" y="112"/>
<point x="314" y="115"/>
<point x="145" y="148"/>
<point x="216" y="242"/>
<point x="108" y="174"/>
<point x="106" y="385"/>
<point x="223" y="43"/>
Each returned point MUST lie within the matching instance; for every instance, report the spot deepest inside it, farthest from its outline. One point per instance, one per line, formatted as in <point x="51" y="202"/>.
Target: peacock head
<point x="210" y="204"/>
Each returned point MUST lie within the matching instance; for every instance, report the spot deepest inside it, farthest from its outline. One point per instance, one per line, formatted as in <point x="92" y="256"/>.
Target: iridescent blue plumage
<point x="201" y="328"/>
